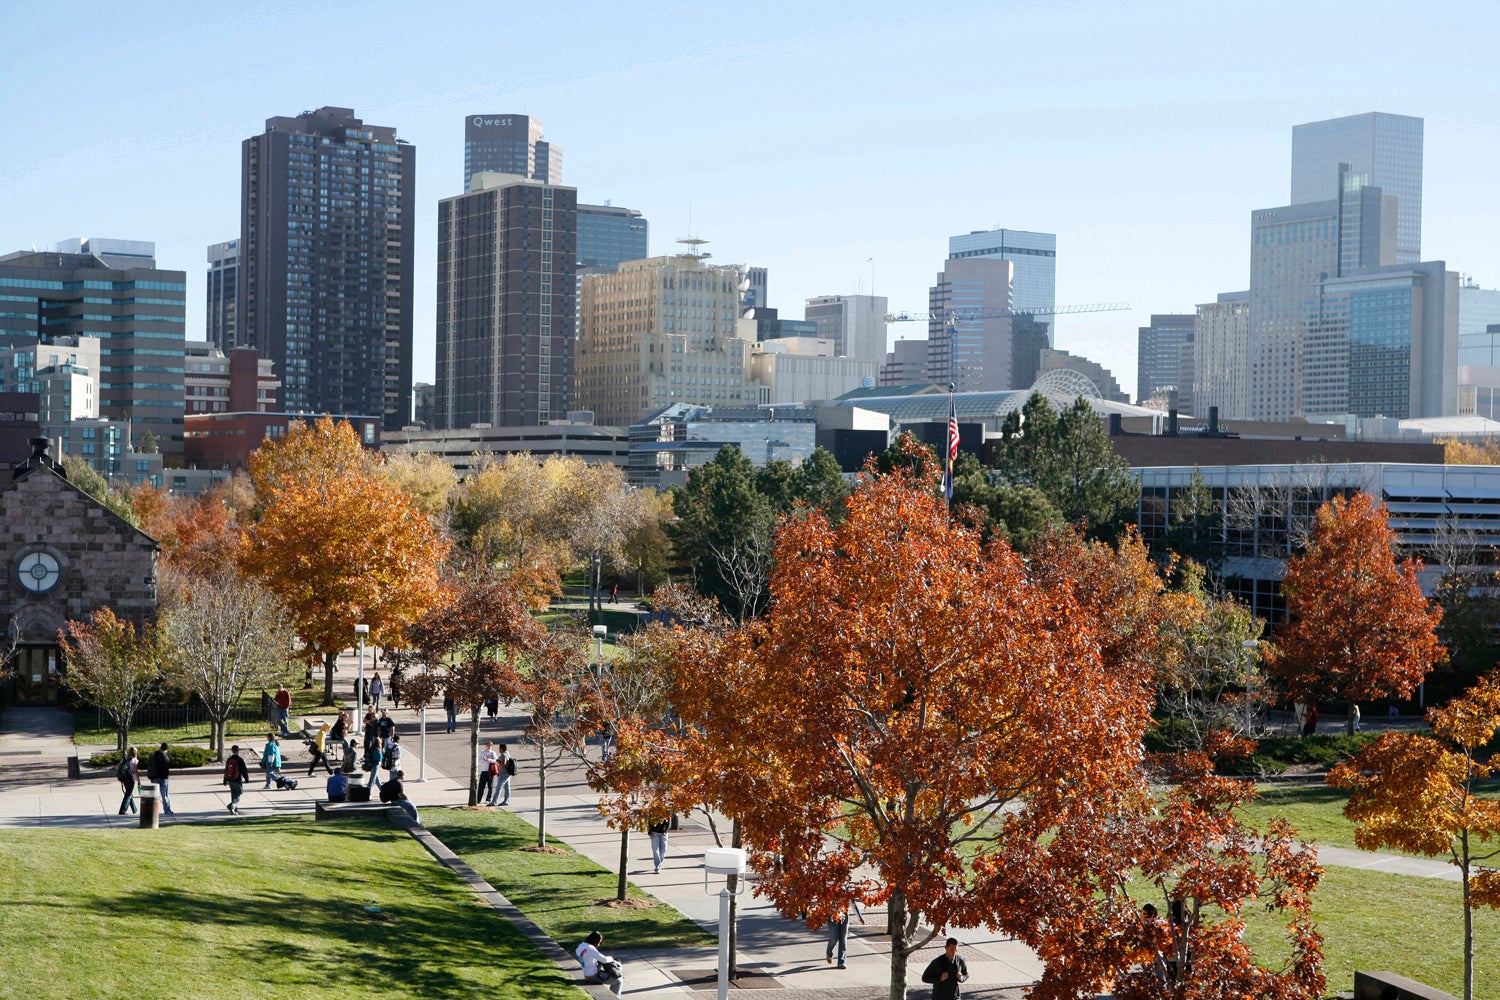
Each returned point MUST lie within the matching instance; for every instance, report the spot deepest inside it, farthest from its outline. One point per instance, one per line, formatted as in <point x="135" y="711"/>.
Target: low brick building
<point x="65" y="555"/>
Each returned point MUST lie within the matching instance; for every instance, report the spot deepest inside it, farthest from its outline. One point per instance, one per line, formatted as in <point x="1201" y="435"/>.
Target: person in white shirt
<point x="488" y="769"/>
<point x="597" y="966"/>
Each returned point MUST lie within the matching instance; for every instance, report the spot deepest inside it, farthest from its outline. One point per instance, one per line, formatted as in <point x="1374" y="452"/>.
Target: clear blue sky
<point x="806" y="137"/>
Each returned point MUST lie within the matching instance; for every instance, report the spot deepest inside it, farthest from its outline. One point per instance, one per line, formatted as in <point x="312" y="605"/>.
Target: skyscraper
<point x="223" y="280"/>
<point x="505" y="306"/>
<point x="1478" y="310"/>
<point x="137" y="312"/>
<point x="969" y="334"/>
<point x="608" y="236"/>
<point x="1291" y="249"/>
<point x="1386" y="148"/>
<point x="855" y="324"/>
<point x="1158" y="349"/>
<point x="326" y="247"/>
<point x="1383" y="343"/>
<point x="661" y="331"/>
<point x="509" y="144"/>
<point x="1034" y="255"/>
<point x="1221" y="343"/>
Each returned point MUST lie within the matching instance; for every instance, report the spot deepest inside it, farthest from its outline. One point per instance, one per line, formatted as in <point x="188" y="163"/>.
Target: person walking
<point x="489" y="771"/>
<point x="159" y="770"/>
<point x="235" y="776"/>
<point x="501" y="787"/>
<point x="270" y="758"/>
<point x="373" y="756"/>
<point x="946" y="973"/>
<point x="129" y="775"/>
<point x="658" y="834"/>
<point x="386" y="727"/>
<point x="393" y="755"/>
<point x="597" y="966"/>
<point x="450" y="709"/>
<point x="1310" y="728"/>
<point x="319" y="743"/>
<point x="838" y="933"/>
<point x="283" y="708"/>
<point x="377" y="691"/>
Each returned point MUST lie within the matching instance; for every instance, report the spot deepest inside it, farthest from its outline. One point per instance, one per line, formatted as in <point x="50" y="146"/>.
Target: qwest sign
<point x="479" y="121"/>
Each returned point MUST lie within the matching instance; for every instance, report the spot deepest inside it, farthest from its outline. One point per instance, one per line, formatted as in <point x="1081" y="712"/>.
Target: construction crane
<point x="954" y="316"/>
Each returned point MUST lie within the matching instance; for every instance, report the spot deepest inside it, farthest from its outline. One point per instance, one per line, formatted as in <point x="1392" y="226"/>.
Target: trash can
<point x="150" y="806"/>
<point x="359" y="788"/>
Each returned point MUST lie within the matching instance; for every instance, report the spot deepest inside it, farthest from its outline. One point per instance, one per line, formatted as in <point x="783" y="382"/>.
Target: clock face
<point x="38" y="572"/>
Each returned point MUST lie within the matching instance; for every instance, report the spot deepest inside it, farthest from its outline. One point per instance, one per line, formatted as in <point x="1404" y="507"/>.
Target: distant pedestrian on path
<point x="614" y="593"/>
<point x="377" y="691"/>
<point x="947" y="973"/>
<point x="159" y="770"/>
<point x="489" y="770"/>
<point x="373" y="757"/>
<point x="450" y="709"/>
<point x="235" y="776"/>
<point x="129" y="774"/>
<point x="283" y="708"/>
<point x="1354" y="717"/>
<point x="387" y="728"/>
<point x="393" y="755"/>
<point x="270" y="758"/>
<point x="1310" y="728"/>
<point x="501" y="787"/>
<point x="318" y="746"/>
<point x="597" y="966"/>
<point x="838" y="933"/>
<point x="658" y="834"/>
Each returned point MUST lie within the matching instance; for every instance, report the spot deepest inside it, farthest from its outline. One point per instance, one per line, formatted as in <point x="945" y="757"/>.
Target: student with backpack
<point x="128" y="774"/>
<point x="270" y="758"/>
<point x="501" y="785"/>
<point x="235" y="776"/>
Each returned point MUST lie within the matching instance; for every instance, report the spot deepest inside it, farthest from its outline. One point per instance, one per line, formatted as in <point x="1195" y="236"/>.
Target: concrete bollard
<point x="150" y="806"/>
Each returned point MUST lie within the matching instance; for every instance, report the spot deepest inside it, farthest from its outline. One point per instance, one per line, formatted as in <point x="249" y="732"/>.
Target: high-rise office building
<point x="1035" y="258"/>
<point x="969" y="335"/>
<point x="855" y="324"/>
<point x="137" y="312"/>
<point x="509" y="144"/>
<point x="608" y="236"/>
<point x="223" y="284"/>
<point x="905" y="364"/>
<point x="661" y="331"/>
<point x="326" y="245"/>
<point x="1383" y="343"/>
<point x="1158" y="352"/>
<point x="505" y="304"/>
<point x="1478" y="310"/>
<point x="1221" y="343"/>
<point x="1291" y="249"/>
<point x="1386" y="148"/>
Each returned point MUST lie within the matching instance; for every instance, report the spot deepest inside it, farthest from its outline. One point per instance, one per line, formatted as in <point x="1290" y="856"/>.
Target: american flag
<point x="952" y="449"/>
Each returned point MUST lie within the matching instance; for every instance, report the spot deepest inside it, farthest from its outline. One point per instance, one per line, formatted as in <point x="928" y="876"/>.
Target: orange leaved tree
<point x="1077" y="892"/>
<point x="482" y="623"/>
<point x="113" y="665"/>
<point x="910" y="695"/>
<point x="338" y="543"/>
<point x="1416" y="792"/>
<point x="1357" y="626"/>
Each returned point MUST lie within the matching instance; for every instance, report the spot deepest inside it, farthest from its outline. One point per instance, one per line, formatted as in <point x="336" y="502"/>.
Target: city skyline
<point x="1146" y="172"/>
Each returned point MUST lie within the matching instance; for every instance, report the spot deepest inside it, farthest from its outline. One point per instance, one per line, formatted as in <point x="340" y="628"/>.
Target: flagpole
<point x="951" y="451"/>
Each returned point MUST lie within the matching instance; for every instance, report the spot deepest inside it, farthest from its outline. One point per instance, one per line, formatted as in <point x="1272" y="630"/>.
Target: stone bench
<point x="342" y="810"/>
<point x="1389" y="986"/>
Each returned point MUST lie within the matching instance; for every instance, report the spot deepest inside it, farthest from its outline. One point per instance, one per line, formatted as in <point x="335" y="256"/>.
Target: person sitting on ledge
<point x="338" y="787"/>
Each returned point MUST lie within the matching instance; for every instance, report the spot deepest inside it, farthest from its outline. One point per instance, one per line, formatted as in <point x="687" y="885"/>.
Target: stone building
<point x="65" y="555"/>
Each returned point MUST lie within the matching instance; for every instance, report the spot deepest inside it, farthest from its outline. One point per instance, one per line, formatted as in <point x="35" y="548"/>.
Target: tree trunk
<point x="541" y="784"/>
<point x="899" y="953"/>
<point x="216" y="738"/>
<point x="733" y="881"/>
<point x="330" y="661"/>
<point x="474" y="756"/>
<point x="122" y="735"/>
<point x="624" y="862"/>
<point x="1468" y="920"/>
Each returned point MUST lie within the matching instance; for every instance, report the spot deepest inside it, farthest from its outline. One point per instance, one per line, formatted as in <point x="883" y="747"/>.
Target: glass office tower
<point x="1386" y="148"/>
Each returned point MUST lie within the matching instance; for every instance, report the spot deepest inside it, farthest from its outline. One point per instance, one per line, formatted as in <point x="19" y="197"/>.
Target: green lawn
<point x="93" y="728"/>
<point x="557" y="890"/>
<point x="251" y="908"/>
<point x="1410" y="926"/>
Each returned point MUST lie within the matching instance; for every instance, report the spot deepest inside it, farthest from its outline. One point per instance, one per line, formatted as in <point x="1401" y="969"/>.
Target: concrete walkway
<point x="36" y="792"/>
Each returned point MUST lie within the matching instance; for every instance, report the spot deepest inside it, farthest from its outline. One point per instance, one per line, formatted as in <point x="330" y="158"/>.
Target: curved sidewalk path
<point x="36" y="792"/>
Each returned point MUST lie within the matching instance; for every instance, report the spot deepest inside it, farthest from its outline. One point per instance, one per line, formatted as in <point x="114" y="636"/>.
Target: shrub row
<point x="177" y="756"/>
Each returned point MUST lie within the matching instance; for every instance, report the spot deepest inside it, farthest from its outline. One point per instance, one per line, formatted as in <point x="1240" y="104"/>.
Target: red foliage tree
<point x="1357" y="626"/>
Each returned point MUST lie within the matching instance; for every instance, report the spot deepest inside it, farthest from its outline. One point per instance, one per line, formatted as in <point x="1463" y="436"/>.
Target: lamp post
<point x="600" y="631"/>
<point x="361" y="631"/>
<point x="725" y="861"/>
<point x="1249" y="646"/>
<point x="422" y="749"/>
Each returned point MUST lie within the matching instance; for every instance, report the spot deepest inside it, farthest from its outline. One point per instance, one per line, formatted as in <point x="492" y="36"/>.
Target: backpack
<point x="122" y="770"/>
<point x="232" y="770"/>
<point x="510" y="766"/>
